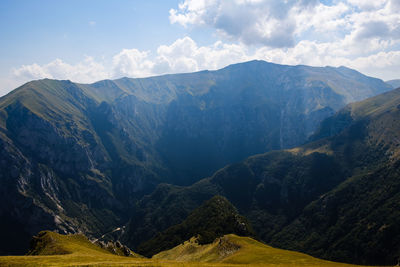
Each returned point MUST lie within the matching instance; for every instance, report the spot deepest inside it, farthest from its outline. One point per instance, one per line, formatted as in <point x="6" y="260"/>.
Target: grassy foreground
<point x="230" y="250"/>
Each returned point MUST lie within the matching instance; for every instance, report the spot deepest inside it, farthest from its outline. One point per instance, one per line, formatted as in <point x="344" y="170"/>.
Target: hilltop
<point x="232" y="249"/>
<point x="53" y="249"/>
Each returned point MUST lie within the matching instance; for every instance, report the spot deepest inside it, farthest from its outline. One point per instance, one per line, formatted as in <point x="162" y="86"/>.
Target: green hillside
<point x="232" y="249"/>
<point x="50" y="243"/>
<point x="51" y="249"/>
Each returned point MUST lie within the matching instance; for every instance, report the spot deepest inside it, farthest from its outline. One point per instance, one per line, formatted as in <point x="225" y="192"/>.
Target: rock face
<point x="77" y="157"/>
<point x="115" y="248"/>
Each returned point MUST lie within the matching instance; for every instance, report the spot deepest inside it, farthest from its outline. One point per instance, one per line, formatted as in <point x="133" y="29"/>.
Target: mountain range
<point x="145" y="153"/>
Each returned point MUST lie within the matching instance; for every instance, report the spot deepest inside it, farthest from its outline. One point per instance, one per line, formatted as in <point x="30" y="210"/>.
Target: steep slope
<point x="212" y="219"/>
<point x="77" y="157"/>
<point x="56" y="171"/>
<point x="312" y="197"/>
<point x="358" y="221"/>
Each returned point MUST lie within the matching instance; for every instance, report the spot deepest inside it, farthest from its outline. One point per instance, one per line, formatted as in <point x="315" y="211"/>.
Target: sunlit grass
<point x="237" y="251"/>
<point x="247" y="251"/>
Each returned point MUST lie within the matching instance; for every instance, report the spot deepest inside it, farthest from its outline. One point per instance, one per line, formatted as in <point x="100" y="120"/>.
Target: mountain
<point x="78" y="157"/>
<point x="394" y="83"/>
<point x="213" y="219"/>
<point x="335" y="197"/>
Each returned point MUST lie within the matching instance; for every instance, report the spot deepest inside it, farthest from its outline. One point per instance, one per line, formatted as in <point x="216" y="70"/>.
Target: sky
<point x="90" y="40"/>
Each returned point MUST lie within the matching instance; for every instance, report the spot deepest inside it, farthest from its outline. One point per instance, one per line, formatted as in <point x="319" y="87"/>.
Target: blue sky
<point x="89" y="40"/>
<point x="40" y="31"/>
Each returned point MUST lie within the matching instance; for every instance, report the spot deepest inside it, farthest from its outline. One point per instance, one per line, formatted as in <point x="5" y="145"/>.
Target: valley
<point x="200" y="133"/>
<point x="281" y="154"/>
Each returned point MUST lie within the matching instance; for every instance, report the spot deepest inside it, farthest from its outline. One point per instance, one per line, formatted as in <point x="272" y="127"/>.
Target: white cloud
<point x="367" y="5"/>
<point x="382" y="64"/>
<point x="282" y="24"/>
<point x="322" y="19"/>
<point x="132" y="63"/>
<point x="85" y="71"/>
<point x="184" y="55"/>
<point x="264" y="22"/>
<point x="29" y="72"/>
<point x="395" y="5"/>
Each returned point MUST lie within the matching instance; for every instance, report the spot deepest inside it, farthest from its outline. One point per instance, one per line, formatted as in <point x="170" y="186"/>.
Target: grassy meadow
<point x="75" y="250"/>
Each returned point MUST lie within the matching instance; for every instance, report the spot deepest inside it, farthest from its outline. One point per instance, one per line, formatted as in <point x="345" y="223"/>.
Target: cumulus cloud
<point x="382" y="64"/>
<point x="87" y="70"/>
<point x="184" y="55"/>
<point x="282" y="24"/>
<point x="264" y="22"/>
<point x="395" y="5"/>
<point x="367" y="5"/>
<point x="322" y="19"/>
<point x="132" y="63"/>
<point x="29" y="72"/>
<point x="373" y="29"/>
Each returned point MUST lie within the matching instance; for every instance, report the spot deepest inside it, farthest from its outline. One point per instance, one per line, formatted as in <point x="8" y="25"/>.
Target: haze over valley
<point x="232" y="144"/>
